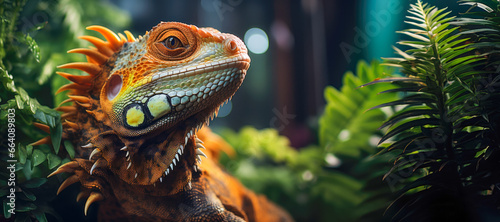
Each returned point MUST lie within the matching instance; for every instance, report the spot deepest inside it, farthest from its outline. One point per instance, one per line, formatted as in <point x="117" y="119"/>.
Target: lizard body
<point x="138" y="124"/>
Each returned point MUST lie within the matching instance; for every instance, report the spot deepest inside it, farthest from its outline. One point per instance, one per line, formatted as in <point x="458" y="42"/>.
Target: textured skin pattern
<point x="138" y="124"/>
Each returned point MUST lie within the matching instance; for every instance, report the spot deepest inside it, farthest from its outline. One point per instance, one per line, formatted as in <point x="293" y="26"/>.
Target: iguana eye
<point x="172" y="42"/>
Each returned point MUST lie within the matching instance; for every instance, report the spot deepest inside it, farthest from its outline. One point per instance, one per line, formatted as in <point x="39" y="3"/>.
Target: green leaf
<point x="408" y="125"/>
<point x="28" y="169"/>
<point x="29" y="149"/>
<point x="56" y="135"/>
<point x="25" y="207"/>
<point x="53" y="160"/>
<point x="21" y="153"/>
<point x="38" y="157"/>
<point x="29" y="195"/>
<point x="69" y="148"/>
<point x="6" y="209"/>
<point x="347" y="129"/>
<point x="30" y="42"/>
<point x="19" y="101"/>
<point x="408" y="113"/>
<point x="34" y="183"/>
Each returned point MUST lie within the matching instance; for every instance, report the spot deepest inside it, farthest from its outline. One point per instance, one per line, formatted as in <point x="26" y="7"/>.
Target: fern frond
<point x="346" y="129"/>
<point x="428" y="133"/>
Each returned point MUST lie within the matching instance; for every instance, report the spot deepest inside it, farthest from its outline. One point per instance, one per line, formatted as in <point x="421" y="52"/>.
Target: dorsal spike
<point x="65" y="101"/>
<point x="71" y="124"/>
<point x="129" y="35"/>
<point x="87" y="67"/>
<point x="91" y="53"/>
<point x="66" y="115"/>
<point x="86" y="105"/>
<point x="102" y="46"/>
<point x="45" y="140"/>
<point x="91" y="60"/>
<point x="43" y="127"/>
<point x="66" y="109"/>
<point x="122" y="37"/>
<point x="80" y="99"/>
<point x="73" y="87"/>
<point x="109" y="35"/>
<point x="81" y="80"/>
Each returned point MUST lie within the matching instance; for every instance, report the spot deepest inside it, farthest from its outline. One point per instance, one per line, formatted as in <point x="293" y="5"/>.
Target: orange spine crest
<point x="91" y="53"/>
<point x="115" y="41"/>
<point x="89" y="68"/>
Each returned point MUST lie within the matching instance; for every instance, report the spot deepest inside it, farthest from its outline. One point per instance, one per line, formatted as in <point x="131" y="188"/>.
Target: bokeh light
<point x="256" y="40"/>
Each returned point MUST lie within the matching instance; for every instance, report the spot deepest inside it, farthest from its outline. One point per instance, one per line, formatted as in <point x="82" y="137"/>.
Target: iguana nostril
<point x="230" y="45"/>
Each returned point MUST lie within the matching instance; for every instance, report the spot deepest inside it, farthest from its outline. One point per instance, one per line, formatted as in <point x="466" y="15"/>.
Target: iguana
<point x="138" y="122"/>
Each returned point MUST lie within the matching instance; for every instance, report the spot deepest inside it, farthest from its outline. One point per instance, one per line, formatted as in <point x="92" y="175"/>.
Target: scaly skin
<point x="137" y="124"/>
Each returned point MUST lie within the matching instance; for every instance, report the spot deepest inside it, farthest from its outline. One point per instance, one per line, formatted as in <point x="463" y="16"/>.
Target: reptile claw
<point x="99" y="163"/>
<point x="89" y="145"/>
<point x="82" y="194"/>
<point x="68" y="167"/>
<point x="94" y="197"/>
<point x="95" y="151"/>
<point x="71" y="180"/>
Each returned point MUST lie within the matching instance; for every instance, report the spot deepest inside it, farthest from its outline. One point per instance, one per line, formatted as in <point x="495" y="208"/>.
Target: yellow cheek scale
<point x="135" y="116"/>
<point x="158" y="106"/>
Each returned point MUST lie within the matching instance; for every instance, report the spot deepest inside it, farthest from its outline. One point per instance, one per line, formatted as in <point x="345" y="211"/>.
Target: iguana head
<point x="137" y="111"/>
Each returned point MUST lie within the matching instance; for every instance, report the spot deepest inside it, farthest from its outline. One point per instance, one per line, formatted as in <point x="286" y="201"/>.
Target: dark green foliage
<point x="446" y="132"/>
<point x="34" y="38"/>
<point x="346" y="112"/>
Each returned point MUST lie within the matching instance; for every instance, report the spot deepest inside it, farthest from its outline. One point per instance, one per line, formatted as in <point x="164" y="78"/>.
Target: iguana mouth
<point x="167" y="104"/>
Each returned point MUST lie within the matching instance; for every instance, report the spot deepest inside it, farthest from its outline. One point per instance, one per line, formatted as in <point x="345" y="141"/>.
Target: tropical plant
<point x="26" y="69"/>
<point x="446" y="134"/>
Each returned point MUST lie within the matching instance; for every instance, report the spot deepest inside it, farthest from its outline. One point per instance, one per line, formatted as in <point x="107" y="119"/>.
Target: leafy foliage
<point x="445" y="134"/>
<point x="347" y="124"/>
<point x="22" y="60"/>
